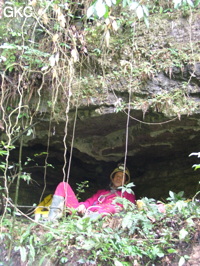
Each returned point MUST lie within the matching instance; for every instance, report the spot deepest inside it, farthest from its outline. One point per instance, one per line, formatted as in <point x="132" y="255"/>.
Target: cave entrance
<point x="154" y="176"/>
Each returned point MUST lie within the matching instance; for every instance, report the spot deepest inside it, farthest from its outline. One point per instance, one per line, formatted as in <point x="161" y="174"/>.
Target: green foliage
<point x="102" y="8"/>
<point x="174" y="197"/>
<point x="195" y="166"/>
<point x="29" y="56"/>
<point x="144" y="235"/>
<point x="196" y="3"/>
<point x="4" y="151"/>
<point x="127" y="188"/>
<point x="81" y="187"/>
<point x="171" y="103"/>
<point x="47" y="49"/>
<point x="178" y="3"/>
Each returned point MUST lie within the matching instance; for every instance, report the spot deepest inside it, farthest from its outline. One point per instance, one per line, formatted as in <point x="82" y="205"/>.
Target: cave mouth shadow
<point x="153" y="177"/>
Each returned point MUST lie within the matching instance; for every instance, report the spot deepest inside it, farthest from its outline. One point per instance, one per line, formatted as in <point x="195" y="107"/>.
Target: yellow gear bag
<point x="42" y="210"/>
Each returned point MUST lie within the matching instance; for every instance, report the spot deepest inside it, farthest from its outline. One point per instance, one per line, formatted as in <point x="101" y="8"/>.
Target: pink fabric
<point x="161" y="207"/>
<point x="101" y="202"/>
<point x="63" y="189"/>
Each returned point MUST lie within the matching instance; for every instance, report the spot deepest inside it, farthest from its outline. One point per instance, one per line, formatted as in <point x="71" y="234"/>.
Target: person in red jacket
<point x="102" y="202"/>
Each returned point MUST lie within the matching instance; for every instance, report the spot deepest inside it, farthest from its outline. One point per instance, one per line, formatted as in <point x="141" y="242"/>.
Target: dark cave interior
<point x="152" y="176"/>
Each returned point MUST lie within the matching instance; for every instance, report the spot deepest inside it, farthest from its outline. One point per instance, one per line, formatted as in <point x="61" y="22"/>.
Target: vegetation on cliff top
<point x="60" y="52"/>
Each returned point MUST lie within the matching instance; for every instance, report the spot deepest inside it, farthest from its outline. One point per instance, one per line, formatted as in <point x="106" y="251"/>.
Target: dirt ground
<point x="194" y="257"/>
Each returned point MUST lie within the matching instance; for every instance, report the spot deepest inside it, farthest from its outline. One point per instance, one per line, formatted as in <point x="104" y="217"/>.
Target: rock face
<point x="153" y="127"/>
<point x="156" y="147"/>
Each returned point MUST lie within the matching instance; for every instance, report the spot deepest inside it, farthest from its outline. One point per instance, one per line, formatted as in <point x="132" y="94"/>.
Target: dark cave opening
<point x="153" y="176"/>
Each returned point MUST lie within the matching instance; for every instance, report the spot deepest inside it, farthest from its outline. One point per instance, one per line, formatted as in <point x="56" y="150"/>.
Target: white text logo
<point x="13" y="12"/>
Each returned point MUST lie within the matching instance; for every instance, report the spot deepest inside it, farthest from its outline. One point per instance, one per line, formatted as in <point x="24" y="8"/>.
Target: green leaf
<point x="180" y="194"/>
<point x="195" y="153"/>
<point x="130" y="185"/>
<point x="117" y="263"/>
<point x="89" y="244"/>
<point x="140" y="12"/>
<point x="23" y="254"/>
<point x="108" y="2"/>
<point x="181" y="261"/>
<point x="157" y="251"/>
<point x="106" y="15"/>
<point x="3" y="153"/>
<point x="146" y="21"/>
<point x="190" y="222"/>
<point x="161" y="10"/>
<point x="127" y="220"/>
<point x="177" y="3"/>
<point x="146" y="11"/>
<point x="190" y="3"/>
<point x="196" y="166"/>
<point x="90" y="11"/>
<point x="134" y="5"/>
<point x="32" y="251"/>
<point x="40" y="154"/>
<point x="100" y="8"/>
<point x="171" y="250"/>
<point x="182" y="234"/>
<point x="171" y="194"/>
<point x="36" y="52"/>
<point x="64" y="260"/>
<point x="2" y="166"/>
<point x="196" y="2"/>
